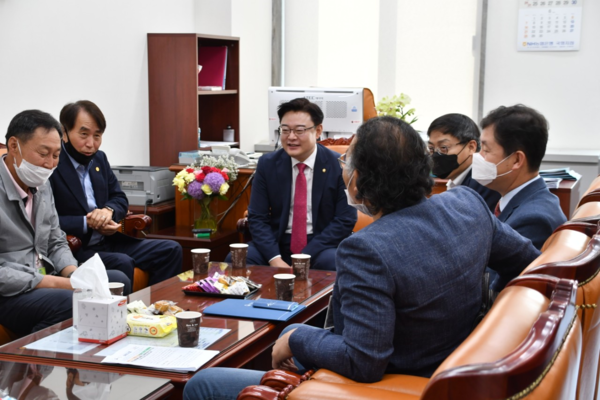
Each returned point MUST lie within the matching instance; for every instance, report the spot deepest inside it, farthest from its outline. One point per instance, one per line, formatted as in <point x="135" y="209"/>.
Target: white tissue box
<point x="102" y="320"/>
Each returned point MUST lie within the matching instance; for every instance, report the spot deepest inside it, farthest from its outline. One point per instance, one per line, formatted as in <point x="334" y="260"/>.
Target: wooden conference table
<point x="246" y="340"/>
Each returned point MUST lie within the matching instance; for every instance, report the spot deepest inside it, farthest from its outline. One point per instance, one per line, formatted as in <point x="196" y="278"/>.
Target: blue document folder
<point x="276" y="304"/>
<point x="245" y="309"/>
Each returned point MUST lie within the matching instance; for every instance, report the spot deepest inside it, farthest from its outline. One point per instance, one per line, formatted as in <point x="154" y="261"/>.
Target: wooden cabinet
<point x="177" y="108"/>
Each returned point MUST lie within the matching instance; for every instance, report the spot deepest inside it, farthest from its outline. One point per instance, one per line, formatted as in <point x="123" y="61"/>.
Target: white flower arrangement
<point x="394" y="107"/>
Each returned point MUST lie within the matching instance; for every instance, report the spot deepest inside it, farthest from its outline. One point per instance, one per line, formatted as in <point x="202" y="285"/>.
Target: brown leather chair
<point x="591" y="196"/>
<point x="6" y="336"/>
<point x="527" y="346"/>
<point x="585" y="268"/>
<point x="132" y="225"/>
<point x="587" y="212"/>
<point x="594" y="186"/>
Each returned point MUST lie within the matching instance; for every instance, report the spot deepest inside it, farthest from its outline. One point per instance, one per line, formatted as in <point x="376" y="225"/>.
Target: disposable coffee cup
<point x="188" y="328"/>
<point x="284" y="286"/>
<point x="116" y="288"/>
<point x="301" y="266"/>
<point x="239" y="252"/>
<point x="200" y="259"/>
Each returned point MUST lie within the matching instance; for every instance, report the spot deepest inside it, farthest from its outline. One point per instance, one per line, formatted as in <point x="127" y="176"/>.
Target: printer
<point x="145" y="185"/>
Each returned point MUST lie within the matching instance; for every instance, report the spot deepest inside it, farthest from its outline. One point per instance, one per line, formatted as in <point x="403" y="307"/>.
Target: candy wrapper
<point x="222" y="284"/>
<point x="164" y="307"/>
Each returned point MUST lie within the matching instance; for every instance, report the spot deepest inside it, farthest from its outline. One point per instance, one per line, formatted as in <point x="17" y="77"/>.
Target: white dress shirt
<point x="508" y="196"/>
<point x="452" y="183"/>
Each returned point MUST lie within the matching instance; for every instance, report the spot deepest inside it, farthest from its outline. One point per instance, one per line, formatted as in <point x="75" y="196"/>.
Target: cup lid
<point x="188" y="314"/>
<point x="238" y="245"/>
<point x="202" y="251"/>
<point x="284" y="276"/>
<point x="301" y="256"/>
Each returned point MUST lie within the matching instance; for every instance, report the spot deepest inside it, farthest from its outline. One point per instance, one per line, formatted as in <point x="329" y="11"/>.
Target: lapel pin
<point x="97" y="169"/>
<point x="324" y="170"/>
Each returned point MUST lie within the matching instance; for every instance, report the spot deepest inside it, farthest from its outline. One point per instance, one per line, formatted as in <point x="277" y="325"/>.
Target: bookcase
<point x="177" y="108"/>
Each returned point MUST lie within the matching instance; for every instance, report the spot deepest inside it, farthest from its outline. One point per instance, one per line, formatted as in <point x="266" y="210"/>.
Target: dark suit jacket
<point x="268" y="212"/>
<point x="534" y="212"/>
<point x="70" y="198"/>
<point x="408" y="287"/>
<point x="491" y="197"/>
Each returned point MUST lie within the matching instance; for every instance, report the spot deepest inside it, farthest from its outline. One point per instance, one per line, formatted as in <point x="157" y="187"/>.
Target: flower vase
<point x="204" y="216"/>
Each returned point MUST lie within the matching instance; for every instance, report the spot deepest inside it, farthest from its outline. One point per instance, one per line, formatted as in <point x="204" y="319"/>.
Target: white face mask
<point x="31" y="175"/>
<point x="484" y="171"/>
<point x="360" y="207"/>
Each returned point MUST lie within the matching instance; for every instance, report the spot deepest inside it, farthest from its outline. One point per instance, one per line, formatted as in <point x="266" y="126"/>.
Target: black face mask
<point x="77" y="156"/>
<point x="444" y="164"/>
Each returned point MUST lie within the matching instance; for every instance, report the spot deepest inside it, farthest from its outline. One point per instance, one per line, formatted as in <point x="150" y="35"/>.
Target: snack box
<point x="102" y="320"/>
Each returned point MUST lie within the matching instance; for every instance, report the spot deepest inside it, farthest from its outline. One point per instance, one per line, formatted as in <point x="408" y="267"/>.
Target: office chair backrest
<point x="585" y="268"/>
<point x="527" y="346"/>
<point x="589" y="372"/>
<point x="595" y="185"/>
<point x="587" y="212"/>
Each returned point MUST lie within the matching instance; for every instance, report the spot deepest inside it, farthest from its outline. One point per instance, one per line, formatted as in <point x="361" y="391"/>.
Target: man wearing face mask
<point x="405" y="294"/>
<point x="298" y="203"/>
<point x="90" y="202"/>
<point x="453" y="139"/>
<point x="35" y="259"/>
<point x="513" y="143"/>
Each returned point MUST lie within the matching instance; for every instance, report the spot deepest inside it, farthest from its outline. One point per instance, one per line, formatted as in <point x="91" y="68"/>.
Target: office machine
<point x="342" y="110"/>
<point x="145" y="185"/>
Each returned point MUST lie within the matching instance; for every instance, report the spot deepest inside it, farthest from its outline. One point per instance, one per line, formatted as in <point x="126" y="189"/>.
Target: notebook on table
<point x="245" y="309"/>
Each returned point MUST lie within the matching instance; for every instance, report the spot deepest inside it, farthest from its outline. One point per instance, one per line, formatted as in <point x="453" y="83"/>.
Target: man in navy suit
<point x="278" y="229"/>
<point x="513" y="143"/>
<point x="408" y="286"/>
<point x="90" y="202"/>
<point x="453" y="139"/>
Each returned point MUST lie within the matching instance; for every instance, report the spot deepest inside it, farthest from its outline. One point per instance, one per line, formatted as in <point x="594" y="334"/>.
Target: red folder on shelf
<point x="214" y="66"/>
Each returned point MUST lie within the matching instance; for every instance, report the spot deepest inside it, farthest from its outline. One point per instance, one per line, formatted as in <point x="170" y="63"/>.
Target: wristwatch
<point x="110" y="209"/>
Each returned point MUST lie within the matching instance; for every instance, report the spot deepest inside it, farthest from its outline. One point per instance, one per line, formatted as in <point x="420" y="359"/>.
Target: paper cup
<point x="200" y="259"/>
<point x="284" y="286"/>
<point x="116" y="288"/>
<point x="188" y="328"/>
<point x="239" y="252"/>
<point x="301" y="266"/>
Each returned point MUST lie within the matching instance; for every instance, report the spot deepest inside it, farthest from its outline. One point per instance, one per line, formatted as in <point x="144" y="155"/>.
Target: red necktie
<point x="497" y="210"/>
<point x="298" y="240"/>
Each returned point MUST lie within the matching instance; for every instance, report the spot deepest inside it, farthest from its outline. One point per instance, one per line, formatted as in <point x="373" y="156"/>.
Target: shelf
<point x="176" y="107"/>
<point x="215" y="92"/>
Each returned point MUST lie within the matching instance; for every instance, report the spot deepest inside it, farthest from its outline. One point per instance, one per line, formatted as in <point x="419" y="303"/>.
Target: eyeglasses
<point x="342" y="160"/>
<point x="300" y="131"/>
<point x="441" y="149"/>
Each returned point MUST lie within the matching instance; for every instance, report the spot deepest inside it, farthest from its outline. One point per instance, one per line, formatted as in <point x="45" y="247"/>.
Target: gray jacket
<point x="21" y="243"/>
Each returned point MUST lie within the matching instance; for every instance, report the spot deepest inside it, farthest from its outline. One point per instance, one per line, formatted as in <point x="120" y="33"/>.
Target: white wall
<point x="435" y="57"/>
<point x="563" y="86"/>
<point x="54" y="52"/>
<point x="423" y="49"/>
<point x="251" y="21"/>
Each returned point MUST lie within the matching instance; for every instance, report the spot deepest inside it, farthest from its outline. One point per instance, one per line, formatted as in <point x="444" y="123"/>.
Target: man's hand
<point x="54" y="282"/>
<point x="68" y="270"/>
<point x="278" y="262"/>
<point x="99" y="218"/>
<point x="282" y="354"/>
<point x="109" y="229"/>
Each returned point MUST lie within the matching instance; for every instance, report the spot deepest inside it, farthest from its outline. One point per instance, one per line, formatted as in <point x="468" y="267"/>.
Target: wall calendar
<point x="550" y="25"/>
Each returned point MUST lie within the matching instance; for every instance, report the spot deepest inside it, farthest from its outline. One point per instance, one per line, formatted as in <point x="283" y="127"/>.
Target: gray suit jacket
<point x="408" y="287"/>
<point x="21" y="243"/>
